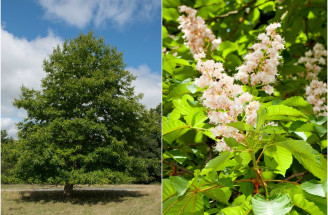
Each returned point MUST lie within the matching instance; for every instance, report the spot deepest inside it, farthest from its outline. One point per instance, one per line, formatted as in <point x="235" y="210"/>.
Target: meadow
<point x="141" y="199"/>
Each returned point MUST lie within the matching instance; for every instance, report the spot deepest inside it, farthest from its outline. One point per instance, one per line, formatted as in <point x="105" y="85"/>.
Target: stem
<point x="257" y="171"/>
<point x="265" y="187"/>
<point x="283" y="181"/>
<point x="244" y="180"/>
<point x="296" y="175"/>
<point x="258" y="159"/>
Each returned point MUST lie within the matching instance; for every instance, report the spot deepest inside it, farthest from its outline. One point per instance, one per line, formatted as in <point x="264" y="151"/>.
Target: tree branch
<point x="296" y="175"/>
<point x="178" y="166"/>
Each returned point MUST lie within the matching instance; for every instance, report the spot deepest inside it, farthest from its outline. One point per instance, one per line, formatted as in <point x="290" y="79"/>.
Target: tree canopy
<point x="86" y="124"/>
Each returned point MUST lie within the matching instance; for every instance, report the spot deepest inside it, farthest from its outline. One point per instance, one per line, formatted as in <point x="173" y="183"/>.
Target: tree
<point x="152" y="138"/>
<point x="9" y="157"/>
<point x="84" y="125"/>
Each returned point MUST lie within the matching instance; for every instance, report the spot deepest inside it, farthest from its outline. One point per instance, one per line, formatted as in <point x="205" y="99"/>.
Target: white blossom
<point x="195" y="31"/>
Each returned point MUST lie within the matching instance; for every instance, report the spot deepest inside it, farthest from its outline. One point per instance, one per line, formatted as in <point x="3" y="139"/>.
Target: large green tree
<point x="85" y="124"/>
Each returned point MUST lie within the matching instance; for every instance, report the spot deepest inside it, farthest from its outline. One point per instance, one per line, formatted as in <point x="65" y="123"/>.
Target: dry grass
<point x="143" y="202"/>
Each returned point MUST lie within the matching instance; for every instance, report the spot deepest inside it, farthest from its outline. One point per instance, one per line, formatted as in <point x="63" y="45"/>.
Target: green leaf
<point x="173" y="130"/>
<point x="192" y="88"/>
<point x="180" y="184"/>
<point x="247" y="187"/>
<point x="178" y="91"/>
<point x="219" y="194"/>
<point x="171" y="3"/>
<point x="184" y="108"/>
<point x="173" y="125"/>
<point x="261" y="114"/>
<point x="320" y="202"/>
<point x="307" y="156"/>
<point x="310" y="207"/>
<point x="198" y="119"/>
<point x="282" y="112"/>
<point x="240" y="206"/>
<point x="200" y="3"/>
<point x="313" y="187"/>
<point x="321" y="130"/>
<point x="232" y="142"/>
<point x="170" y="14"/>
<point x="282" y="156"/>
<point x="254" y="16"/>
<point x="295" y="101"/>
<point x="297" y="196"/>
<point x="191" y="203"/>
<point x="275" y="205"/>
<point x="177" y="156"/>
<point x="241" y="126"/>
<point x="299" y="103"/>
<point x="227" y="47"/>
<point x="217" y="163"/>
<point x="168" y="189"/>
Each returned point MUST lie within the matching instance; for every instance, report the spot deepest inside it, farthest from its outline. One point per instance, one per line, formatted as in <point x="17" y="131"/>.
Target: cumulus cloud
<point x="148" y="83"/>
<point x="21" y="64"/>
<point x="80" y="13"/>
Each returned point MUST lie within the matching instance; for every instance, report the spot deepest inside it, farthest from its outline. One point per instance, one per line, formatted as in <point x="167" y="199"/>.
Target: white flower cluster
<point x="316" y="94"/>
<point x="224" y="100"/>
<point x="260" y="67"/>
<point x="312" y="59"/>
<point x="195" y="31"/>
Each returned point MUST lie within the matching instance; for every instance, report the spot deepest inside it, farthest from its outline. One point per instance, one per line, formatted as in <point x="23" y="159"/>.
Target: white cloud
<point x="21" y="64"/>
<point x="148" y="83"/>
<point x="74" y="12"/>
<point x="80" y="13"/>
<point x="9" y="125"/>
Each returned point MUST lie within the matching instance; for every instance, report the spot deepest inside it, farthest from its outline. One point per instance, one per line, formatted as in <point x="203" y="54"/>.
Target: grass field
<point x="145" y="201"/>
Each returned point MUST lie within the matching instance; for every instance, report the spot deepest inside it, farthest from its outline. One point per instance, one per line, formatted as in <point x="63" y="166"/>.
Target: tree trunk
<point x="68" y="190"/>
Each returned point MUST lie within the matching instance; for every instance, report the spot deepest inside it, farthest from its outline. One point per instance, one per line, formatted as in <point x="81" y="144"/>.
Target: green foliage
<point x="86" y="124"/>
<point x="274" y="205"/>
<point x="9" y="156"/>
<point x="278" y="168"/>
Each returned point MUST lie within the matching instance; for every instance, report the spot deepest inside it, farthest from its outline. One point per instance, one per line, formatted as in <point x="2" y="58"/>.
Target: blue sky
<point x="31" y="28"/>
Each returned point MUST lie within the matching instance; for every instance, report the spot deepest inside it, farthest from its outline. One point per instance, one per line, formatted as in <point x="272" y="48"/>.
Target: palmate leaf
<point x="307" y="156"/>
<point x="275" y="205"/>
